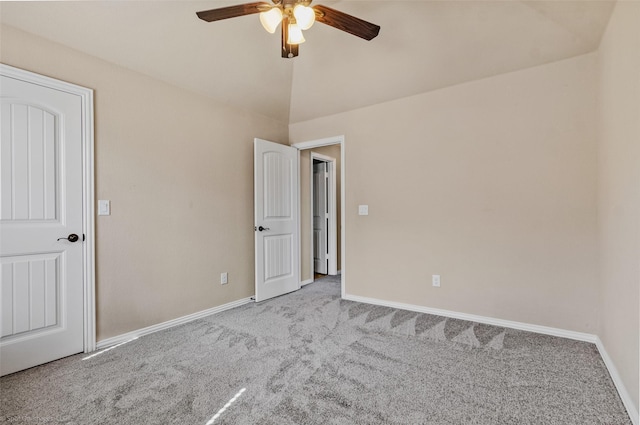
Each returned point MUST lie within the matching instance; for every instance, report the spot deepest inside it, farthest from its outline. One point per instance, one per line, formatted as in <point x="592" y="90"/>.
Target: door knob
<point x="262" y="228"/>
<point x="71" y="238"/>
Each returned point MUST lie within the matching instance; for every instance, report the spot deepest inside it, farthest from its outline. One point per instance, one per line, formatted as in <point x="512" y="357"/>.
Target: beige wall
<point x="491" y="184"/>
<point x="306" y="269"/>
<point x="178" y="169"/>
<point x="619" y="191"/>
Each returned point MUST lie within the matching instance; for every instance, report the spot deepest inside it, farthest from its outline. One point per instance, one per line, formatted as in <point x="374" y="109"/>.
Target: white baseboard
<point x="546" y="330"/>
<point x="169" y="324"/>
<point x="628" y="402"/>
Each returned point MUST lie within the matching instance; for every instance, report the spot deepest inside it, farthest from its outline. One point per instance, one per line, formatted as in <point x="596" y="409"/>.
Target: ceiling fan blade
<point x="288" y="50"/>
<point x="232" y="11"/>
<point x="347" y="23"/>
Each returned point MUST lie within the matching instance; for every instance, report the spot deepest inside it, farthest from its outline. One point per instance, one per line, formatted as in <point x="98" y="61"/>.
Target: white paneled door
<point x="276" y="219"/>
<point x="41" y="224"/>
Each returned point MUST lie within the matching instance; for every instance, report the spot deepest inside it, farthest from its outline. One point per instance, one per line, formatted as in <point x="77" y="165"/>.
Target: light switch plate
<point x="104" y="207"/>
<point x="363" y="209"/>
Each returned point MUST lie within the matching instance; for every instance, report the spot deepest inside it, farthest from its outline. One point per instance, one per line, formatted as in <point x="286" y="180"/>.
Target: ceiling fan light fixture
<point x="295" y="35"/>
<point x="271" y="19"/>
<point x="293" y="16"/>
<point x="305" y="16"/>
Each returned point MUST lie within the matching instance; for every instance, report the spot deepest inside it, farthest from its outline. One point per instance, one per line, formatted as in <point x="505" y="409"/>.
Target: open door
<point x="276" y="219"/>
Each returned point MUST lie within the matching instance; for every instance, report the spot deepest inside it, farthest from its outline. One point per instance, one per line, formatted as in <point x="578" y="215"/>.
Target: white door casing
<point x="320" y="217"/>
<point x="276" y="219"/>
<point x="46" y="282"/>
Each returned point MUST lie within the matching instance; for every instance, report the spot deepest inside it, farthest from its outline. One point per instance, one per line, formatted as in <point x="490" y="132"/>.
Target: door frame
<point x="88" y="185"/>
<point x="317" y="143"/>
<point x="332" y="229"/>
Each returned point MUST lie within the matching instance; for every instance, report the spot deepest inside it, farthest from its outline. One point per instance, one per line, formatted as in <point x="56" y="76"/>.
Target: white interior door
<point x="41" y="289"/>
<point x="320" y="217"/>
<point x="276" y="219"/>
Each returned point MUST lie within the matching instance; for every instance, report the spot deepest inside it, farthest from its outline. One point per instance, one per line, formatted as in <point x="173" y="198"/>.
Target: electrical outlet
<point x="224" y="278"/>
<point x="435" y="280"/>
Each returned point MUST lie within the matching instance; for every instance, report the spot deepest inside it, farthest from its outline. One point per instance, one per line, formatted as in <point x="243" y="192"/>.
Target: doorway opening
<point x="329" y="153"/>
<point x="324" y="215"/>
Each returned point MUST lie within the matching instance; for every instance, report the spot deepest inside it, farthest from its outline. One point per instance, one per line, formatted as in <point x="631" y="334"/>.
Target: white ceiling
<point x="422" y="46"/>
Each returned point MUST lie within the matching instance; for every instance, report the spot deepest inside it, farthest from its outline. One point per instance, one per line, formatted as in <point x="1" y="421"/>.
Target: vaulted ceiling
<point x="422" y="46"/>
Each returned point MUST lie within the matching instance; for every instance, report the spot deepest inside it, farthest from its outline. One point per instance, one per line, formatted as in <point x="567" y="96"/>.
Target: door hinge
<point x="83" y="238"/>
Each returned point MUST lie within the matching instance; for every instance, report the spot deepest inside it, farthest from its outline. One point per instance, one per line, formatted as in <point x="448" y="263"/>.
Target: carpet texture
<point x="311" y="358"/>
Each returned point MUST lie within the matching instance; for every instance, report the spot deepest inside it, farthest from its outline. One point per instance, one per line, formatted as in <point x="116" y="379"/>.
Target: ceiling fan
<point x="295" y="16"/>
